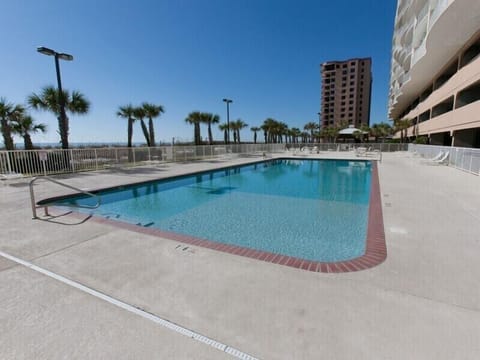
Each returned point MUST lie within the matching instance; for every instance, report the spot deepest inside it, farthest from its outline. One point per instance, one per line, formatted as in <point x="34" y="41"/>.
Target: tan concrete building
<point x="346" y="92"/>
<point x="435" y="71"/>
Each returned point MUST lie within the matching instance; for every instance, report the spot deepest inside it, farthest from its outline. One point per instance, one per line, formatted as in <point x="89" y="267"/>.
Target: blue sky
<point x="189" y="54"/>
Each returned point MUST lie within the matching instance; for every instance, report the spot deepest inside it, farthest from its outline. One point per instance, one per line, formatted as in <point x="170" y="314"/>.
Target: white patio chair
<point x="435" y="158"/>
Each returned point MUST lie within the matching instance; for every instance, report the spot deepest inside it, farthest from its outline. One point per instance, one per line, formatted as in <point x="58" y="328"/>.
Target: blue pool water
<point x="311" y="209"/>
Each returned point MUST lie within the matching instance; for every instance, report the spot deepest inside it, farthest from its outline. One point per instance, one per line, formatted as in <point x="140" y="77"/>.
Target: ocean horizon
<point x="48" y="145"/>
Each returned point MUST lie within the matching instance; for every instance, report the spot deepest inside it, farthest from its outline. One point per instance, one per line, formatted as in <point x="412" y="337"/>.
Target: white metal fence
<point x="56" y="161"/>
<point x="466" y="159"/>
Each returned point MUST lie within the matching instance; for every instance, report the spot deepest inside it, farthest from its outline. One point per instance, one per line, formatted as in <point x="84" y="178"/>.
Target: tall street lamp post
<point x="228" y="101"/>
<point x="61" y="99"/>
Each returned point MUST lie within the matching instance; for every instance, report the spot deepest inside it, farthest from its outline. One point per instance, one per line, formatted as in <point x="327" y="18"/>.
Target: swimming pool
<point x="315" y="210"/>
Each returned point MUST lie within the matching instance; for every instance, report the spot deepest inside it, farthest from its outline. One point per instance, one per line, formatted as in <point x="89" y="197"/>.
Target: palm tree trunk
<point x="197" y="136"/>
<point x="27" y="141"/>
<point x="130" y="132"/>
<point x="7" y="135"/>
<point x="151" y="131"/>
<point x="238" y="136"/>
<point x="145" y="132"/>
<point x="210" y="137"/>
<point x="63" y="130"/>
<point x="255" y="137"/>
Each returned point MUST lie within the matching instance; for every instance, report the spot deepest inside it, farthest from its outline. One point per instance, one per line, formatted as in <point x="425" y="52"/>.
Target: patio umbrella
<point x="350" y="130"/>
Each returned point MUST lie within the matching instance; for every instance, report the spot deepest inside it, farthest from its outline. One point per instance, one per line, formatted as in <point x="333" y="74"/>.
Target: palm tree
<point x="210" y="119"/>
<point x="139" y="114"/>
<point x="255" y="129"/>
<point x="6" y="110"/>
<point x="152" y="111"/>
<point x="310" y="126"/>
<point x="127" y="112"/>
<point x="282" y="129"/>
<point x="268" y="128"/>
<point x="236" y="126"/>
<point x="330" y="133"/>
<point x="381" y="130"/>
<point x="48" y="100"/>
<point x="224" y="127"/>
<point x="233" y="127"/>
<point x="195" y="118"/>
<point x="24" y="125"/>
<point x="402" y="125"/>
<point x="295" y="134"/>
<point x="360" y="133"/>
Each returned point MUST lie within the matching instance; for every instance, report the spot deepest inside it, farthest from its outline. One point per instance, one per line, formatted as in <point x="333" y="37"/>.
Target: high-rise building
<point x="346" y="92"/>
<point x="435" y="71"/>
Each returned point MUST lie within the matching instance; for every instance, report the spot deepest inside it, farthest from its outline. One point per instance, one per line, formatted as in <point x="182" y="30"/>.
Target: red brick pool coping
<point x="375" y="253"/>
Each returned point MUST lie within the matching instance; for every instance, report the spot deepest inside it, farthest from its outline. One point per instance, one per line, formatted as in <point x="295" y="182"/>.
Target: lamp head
<point x="45" y="51"/>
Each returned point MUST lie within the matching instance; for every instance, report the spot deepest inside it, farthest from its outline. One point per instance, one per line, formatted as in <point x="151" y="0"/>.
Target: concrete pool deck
<point x="423" y="302"/>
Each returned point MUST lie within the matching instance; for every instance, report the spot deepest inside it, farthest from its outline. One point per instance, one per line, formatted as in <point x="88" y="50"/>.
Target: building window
<point x="443" y="107"/>
<point x="468" y="95"/>
<point x="470" y="54"/>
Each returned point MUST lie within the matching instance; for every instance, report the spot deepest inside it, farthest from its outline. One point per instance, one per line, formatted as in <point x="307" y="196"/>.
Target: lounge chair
<point x="11" y="176"/>
<point x="442" y="160"/>
<point x="435" y="158"/>
<point x="361" y="151"/>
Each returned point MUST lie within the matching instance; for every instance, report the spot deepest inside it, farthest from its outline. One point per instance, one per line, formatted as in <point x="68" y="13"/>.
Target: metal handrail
<point x="47" y="178"/>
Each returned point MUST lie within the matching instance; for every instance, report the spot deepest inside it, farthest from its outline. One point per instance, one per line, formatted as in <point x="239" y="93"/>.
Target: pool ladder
<point x="45" y="206"/>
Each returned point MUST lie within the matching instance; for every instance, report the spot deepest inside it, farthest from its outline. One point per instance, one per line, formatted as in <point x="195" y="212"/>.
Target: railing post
<point x="149" y="157"/>
<point x="71" y="161"/>
<point x="133" y="155"/>
<point x="96" y="159"/>
<point x="9" y="166"/>
<point x="471" y="160"/>
<point x="32" y="200"/>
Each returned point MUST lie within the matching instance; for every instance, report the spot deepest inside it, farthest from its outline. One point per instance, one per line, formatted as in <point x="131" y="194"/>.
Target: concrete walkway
<point x="422" y="303"/>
